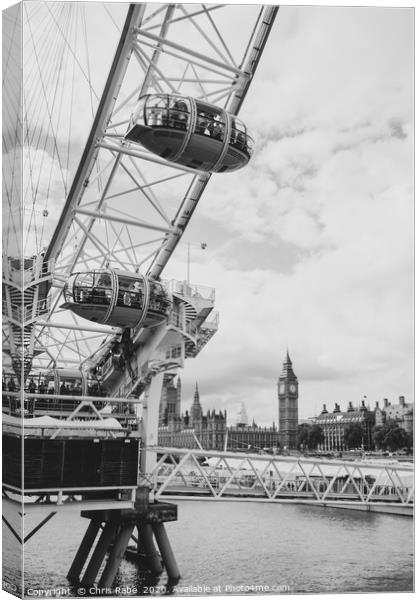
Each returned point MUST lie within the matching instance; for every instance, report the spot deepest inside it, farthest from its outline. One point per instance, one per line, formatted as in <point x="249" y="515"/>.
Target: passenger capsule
<point x="190" y="132"/>
<point x="117" y="298"/>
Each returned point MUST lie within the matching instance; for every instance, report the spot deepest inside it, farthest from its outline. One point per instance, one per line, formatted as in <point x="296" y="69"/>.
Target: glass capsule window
<point x="84" y="280"/>
<point x="68" y="290"/>
<point x="102" y="289"/>
<point x="162" y="110"/>
<point x="159" y="301"/>
<point x="178" y="114"/>
<point x="82" y="287"/>
<point x="92" y="288"/>
<point x="156" y="110"/>
<point x="249" y="144"/>
<point x="210" y="121"/>
<point x="239" y="137"/>
<point x="130" y="292"/>
<point x="138" y="115"/>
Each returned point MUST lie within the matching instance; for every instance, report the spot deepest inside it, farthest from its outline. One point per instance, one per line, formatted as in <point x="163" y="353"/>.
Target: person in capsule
<point x="178" y="114"/>
<point x="216" y="128"/>
<point x="101" y="293"/>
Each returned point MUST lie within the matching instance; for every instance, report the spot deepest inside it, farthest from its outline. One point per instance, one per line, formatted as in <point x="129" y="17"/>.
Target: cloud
<point x="340" y="329"/>
<point x="332" y="178"/>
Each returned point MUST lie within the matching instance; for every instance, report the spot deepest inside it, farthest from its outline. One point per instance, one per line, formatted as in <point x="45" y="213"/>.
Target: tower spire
<point x="288" y="366"/>
<point x="196" y="409"/>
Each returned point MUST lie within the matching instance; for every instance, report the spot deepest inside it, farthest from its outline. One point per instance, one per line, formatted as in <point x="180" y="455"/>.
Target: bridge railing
<point x="227" y="474"/>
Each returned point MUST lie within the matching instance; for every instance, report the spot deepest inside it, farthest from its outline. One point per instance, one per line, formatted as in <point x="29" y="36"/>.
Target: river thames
<point x="227" y="548"/>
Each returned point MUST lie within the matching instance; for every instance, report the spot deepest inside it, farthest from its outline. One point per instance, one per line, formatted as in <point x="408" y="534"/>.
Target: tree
<point x="316" y="436"/>
<point x="410" y="440"/>
<point x="309" y="436"/>
<point x="396" y="438"/>
<point x="303" y="435"/>
<point x="391" y="436"/>
<point x="354" y="435"/>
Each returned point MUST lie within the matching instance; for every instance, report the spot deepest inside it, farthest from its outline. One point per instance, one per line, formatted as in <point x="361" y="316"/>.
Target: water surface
<point x="242" y="547"/>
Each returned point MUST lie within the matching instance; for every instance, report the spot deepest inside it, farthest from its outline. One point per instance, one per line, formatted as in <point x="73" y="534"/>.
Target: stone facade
<point x="334" y="423"/>
<point x="252" y="437"/>
<point x="194" y="429"/>
<point x="209" y="433"/>
<point x="402" y="413"/>
<point x="170" y="399"/>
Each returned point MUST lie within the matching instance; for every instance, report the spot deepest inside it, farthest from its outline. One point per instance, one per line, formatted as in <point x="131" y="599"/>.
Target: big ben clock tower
<point x="288" y="405"/>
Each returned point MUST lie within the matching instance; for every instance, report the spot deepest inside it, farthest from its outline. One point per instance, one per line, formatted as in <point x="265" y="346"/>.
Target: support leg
<point x="117" y="554"/>
<point x="150" y="417"/>
<point x="98" y="555"/>
<point x="141" y="550"/>
<point x="83" y="551"/>
<point x="166" y="551"/>
<point x="146" y="540"/>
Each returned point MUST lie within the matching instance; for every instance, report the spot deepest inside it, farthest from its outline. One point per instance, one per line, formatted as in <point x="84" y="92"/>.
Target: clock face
<point x="292" y="387"/>
<point x="281" y="388"/>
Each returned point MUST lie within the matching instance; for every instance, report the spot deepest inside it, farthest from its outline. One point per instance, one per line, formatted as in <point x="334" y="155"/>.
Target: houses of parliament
<point x="195" y="429"/>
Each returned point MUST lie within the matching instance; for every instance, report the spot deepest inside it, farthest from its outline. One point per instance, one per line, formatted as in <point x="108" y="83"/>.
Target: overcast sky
<point x="310" y="247"/>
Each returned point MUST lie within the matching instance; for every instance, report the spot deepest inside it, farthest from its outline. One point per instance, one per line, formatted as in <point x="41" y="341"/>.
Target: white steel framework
<point x="226" y="475"/>
<point x="126" y="207"/>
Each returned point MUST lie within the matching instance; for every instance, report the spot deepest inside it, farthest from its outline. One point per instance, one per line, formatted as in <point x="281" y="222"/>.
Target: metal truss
<point x="221" y="475"/>
<point x="128" y="208"/>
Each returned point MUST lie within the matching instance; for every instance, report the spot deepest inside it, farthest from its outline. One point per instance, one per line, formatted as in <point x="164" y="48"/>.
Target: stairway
<point x="196" y="333"/>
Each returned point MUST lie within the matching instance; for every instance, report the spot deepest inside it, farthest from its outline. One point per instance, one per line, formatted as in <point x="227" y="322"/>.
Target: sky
<point x="310" y="247"/>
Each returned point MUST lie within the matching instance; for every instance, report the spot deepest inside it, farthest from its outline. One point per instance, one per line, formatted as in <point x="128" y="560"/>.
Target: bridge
<point x="380" y="486"/>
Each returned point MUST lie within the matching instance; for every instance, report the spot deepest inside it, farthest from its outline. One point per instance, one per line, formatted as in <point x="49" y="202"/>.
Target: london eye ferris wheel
<point x="111" y="137"/>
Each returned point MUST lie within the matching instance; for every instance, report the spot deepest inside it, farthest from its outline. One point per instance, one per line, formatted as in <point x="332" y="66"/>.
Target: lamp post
<point x="203" y="246"/>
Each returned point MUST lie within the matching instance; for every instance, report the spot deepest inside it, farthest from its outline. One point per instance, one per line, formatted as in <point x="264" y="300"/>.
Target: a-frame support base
<point x="116" y="527"/>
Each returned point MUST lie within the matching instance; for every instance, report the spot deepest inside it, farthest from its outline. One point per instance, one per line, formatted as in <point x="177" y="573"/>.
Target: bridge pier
<point x="117" y="530"/>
